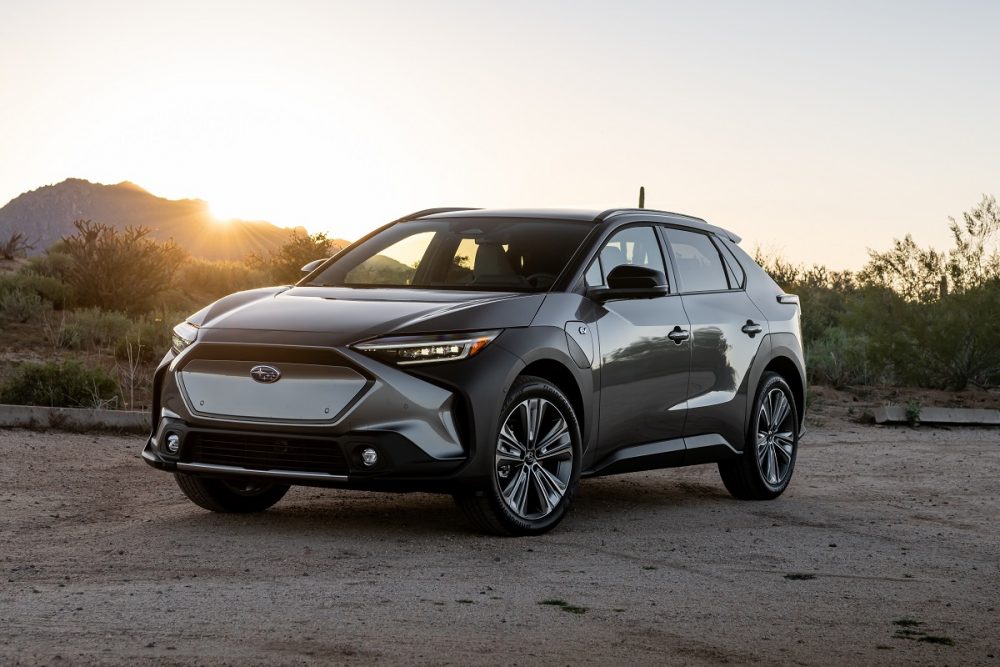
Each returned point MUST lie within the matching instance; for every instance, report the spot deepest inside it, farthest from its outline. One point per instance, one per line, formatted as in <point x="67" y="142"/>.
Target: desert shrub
<point x="207" y="281"/>
<point x="20" y="305"/>
<point x="120" y="270"/>
<point x="285" y="265"/>
<point x="55" y="263"/>
<point x="50" y="289"/>
<point x="948" y="344"/>
<point x="67" y="384"/>
<point x="148" y="338"/>
<point x="91" y="329"/>
<point x="840" y="357"/>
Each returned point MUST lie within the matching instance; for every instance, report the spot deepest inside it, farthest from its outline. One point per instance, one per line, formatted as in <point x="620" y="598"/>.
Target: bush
<point x="947" y="344"/>
<point x="148" y="338"/>
<point x="68" y="384"/>
<point x="206" y="281"/>
<point x="19" y="305"/>
<point x="285" y="265"/>
<point x="92" y="329"/>
<point x="841" y="358"/>
<point x="55" y="263"/>
<point x="119" y="270"/>
<point x="48" y="288"/>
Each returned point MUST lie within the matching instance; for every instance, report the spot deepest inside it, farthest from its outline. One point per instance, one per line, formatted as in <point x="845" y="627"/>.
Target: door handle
<point x="678" y="335"/>
<point x="751" y="328"/>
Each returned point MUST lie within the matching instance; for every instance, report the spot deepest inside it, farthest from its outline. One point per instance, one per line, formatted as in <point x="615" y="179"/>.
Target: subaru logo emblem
<point x="265" y="374"/>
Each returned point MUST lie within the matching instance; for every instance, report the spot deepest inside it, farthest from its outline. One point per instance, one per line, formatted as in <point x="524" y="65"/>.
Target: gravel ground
<point x="884" y="550"/>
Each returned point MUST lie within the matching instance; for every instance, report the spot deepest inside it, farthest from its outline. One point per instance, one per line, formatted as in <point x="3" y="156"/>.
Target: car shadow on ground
<point x="328" y="512"/>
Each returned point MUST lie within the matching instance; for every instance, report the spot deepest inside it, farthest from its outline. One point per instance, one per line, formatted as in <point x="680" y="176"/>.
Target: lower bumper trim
<point x="291" y="475"/>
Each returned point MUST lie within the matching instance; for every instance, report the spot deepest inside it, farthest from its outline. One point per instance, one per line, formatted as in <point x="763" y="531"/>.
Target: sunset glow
<point x="341" y="116"/>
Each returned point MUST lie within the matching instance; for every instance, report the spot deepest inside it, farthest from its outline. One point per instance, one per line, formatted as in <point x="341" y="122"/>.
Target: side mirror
<point x="632" y="282"/>
<point x="311" y="266"/>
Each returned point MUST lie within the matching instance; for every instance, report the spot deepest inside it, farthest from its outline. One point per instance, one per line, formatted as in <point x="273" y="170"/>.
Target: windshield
<point x="494" y="254"/>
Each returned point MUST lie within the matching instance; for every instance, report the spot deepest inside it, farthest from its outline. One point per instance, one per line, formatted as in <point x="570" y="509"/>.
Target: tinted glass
<point x="633" y="245"/>
<point x="696" y="261"/>
<point x="737" y="276"/>
<point x="476" y="254"/>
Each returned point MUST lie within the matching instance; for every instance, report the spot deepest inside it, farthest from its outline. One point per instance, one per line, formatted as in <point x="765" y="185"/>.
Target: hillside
<point x="45" y="215"/>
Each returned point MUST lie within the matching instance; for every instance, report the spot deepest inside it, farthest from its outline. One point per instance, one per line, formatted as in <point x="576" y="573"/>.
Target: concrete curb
<point x="73" y="419"/>
<point x="954" y="416"/>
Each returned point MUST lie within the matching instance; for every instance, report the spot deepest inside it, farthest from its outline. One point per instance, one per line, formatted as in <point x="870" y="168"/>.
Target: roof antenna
<point x="642" y="197"/>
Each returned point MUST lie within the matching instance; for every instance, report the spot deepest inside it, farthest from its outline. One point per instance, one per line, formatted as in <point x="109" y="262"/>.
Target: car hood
<point x="345" y="315"/>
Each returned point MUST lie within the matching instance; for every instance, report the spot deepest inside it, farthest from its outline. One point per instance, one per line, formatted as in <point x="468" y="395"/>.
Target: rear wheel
<point x="536" y="463"/>
<point x="764" y="469"/>
<point x="231" y="496"/>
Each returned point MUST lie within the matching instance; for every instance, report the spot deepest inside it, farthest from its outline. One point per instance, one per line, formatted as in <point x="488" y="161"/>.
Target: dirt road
<point x="885" y="550"/>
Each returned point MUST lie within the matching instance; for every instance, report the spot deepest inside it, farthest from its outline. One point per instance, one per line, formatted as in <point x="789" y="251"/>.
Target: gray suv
<point x="497" y="355"/>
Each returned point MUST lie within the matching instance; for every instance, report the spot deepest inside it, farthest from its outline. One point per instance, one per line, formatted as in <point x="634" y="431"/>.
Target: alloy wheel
<point x="534" y="458"/>
<point x="775" y="437"/>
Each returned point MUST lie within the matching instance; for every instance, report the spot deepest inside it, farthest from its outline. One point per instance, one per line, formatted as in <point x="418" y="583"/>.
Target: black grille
<point x="266" y="452"/>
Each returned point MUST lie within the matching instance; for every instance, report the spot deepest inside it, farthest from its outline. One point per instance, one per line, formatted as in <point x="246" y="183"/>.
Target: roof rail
<point x="432" y="211"/>
<point x="604" y="215"/>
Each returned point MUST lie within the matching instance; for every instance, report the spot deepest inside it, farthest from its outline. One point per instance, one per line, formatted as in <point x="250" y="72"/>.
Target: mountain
<point x="45" y="215"/>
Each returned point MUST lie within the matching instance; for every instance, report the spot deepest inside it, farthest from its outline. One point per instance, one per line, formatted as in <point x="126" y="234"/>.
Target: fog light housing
<point x="369" y="457"/>
<point x="173" y="443"/>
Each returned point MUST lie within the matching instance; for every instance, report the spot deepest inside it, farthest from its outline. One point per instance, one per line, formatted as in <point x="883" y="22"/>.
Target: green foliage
<point x="975" y="259"/>
<point x="285" y="265"/>
<point x="19" y="305"/>
<point x="949" y="343"/>
<point x="148" y="337"/>
<point x="205" y="281"/>
<point x="894" y="321"/>
<point x="50" y="289"/>
<point x="120" y="270"/>
<point x="912" y="272"/>
<point x="91" y="329"/>
<point x="145" y="338"/>
<point x="840" y="357"/>
<point x="67" y="384"/>
<point x="55" y="263"/>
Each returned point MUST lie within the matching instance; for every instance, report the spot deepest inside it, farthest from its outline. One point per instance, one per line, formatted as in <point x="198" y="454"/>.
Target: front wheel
<point x="230" y="496"/>
<point x="536" y="463"/>
<point x="765" y="467"/>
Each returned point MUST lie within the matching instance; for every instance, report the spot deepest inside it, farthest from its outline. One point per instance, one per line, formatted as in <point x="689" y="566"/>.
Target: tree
<point x="976" y="257"/>
<point x="285" y="265"/>
<point x="121" y="270"/>
<point x="909" y="270"/>
<point x="16" y="245"/>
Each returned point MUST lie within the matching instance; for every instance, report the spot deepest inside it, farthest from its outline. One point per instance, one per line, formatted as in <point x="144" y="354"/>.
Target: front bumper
<point x="421" y="425"/>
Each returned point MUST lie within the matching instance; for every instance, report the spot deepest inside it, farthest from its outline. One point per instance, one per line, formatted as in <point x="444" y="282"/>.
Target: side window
<point x="737" y="276"/>
<point x="633" y="245"/>
<point x="697" y="261"/>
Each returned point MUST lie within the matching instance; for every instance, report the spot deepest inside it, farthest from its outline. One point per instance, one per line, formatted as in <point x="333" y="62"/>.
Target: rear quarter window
<point x="697" y="261"/>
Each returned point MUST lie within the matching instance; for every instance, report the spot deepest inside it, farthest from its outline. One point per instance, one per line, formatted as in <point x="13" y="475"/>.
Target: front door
<point x="644" y="371"/>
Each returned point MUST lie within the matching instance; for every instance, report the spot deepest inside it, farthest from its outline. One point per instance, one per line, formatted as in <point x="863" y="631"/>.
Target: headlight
<point x="184" y="334"/>
<point x="407" y="350"/>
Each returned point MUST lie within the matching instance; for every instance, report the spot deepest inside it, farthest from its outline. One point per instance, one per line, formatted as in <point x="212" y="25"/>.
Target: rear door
<point x="643" y="371"/>
<point x="727" y="330"/>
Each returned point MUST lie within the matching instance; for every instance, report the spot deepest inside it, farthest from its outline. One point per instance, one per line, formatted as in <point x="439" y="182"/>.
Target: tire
<point x="533" y="477"/>
<point x="229" y="496"/>
<point x="764" y="469"/>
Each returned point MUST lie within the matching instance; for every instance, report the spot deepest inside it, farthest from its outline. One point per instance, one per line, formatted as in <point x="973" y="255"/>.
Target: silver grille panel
<point x="304" y="393"/>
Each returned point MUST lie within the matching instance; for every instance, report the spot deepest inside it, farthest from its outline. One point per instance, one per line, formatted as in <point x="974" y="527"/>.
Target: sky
<point x="813" y="130"/>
